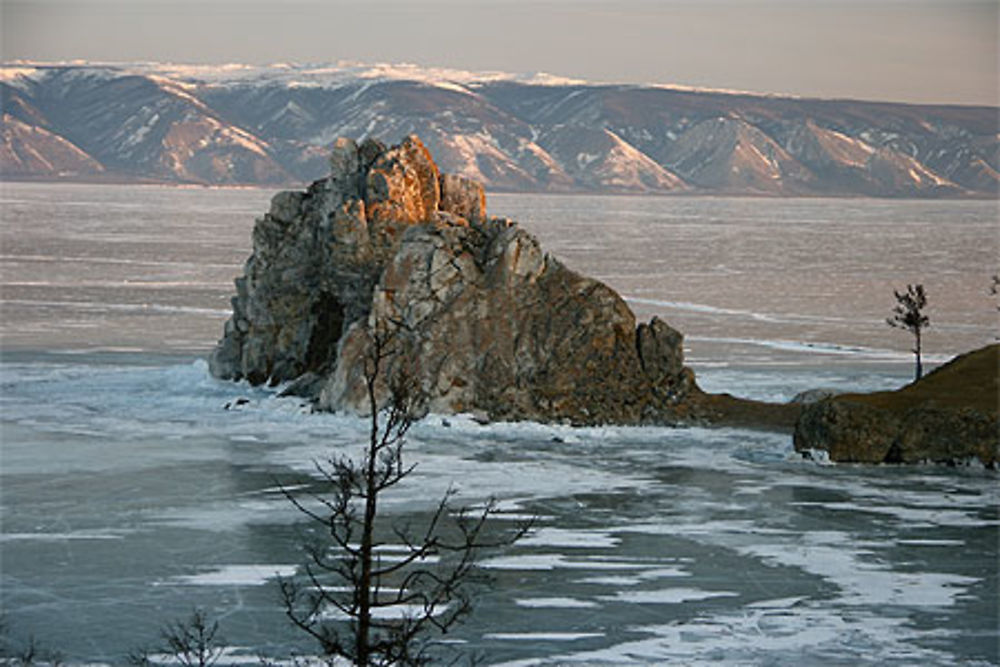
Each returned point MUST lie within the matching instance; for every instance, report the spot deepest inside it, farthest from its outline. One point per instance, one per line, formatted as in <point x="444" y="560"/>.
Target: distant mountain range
<point x="271" y="125"/>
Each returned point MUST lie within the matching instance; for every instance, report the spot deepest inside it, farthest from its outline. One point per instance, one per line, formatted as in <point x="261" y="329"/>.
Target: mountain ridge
<point x="274" y="125"/>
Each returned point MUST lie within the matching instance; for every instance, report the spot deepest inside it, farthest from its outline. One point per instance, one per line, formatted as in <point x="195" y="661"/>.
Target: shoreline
<point x="131" y="180"/>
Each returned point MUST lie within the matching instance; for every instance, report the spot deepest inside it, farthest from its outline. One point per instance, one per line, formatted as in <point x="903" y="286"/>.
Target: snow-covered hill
<point x="273" y="124"/>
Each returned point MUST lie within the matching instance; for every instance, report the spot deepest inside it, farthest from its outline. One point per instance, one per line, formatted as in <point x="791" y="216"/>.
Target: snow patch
<point x="557" y="561"/>
<point x="543" y="636"/>
<point x="584" y="160"/>
<point x="237" y="575"/>
<point x="667" y="596"/>
<point x="555" y="603"/>
<point x="562" y="537"/>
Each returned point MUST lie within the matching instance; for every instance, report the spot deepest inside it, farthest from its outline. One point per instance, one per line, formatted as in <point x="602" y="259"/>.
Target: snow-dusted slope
<point x="731" y="155"/>
<point x="145" y="126"/>
<point x="853" y="164"/>
<point x="601" y="160"/>
<point x="32" y="150"/>
<point x="269" y="124"/>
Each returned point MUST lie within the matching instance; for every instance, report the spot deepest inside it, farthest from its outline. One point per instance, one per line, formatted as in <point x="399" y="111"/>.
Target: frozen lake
<point x="130" y="496"/>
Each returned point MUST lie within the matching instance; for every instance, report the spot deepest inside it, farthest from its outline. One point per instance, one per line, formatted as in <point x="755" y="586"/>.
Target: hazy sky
<point x="904" y="50"/>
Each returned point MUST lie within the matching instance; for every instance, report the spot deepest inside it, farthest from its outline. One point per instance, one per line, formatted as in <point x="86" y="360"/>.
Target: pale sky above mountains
<point x="942" y="51"/>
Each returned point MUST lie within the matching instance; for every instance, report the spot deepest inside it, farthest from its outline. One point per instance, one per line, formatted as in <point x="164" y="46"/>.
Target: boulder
<point x="810" y="396"/>
<point x="946" y="436"/>
<point x="480" y="317"/>
<point x="849" y="432"/>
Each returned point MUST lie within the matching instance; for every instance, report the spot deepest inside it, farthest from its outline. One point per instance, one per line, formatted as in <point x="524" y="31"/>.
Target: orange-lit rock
<point x="483" y="319"/>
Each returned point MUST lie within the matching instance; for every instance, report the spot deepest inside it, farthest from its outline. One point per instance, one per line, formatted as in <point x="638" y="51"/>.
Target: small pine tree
<point x="908" y="315"/>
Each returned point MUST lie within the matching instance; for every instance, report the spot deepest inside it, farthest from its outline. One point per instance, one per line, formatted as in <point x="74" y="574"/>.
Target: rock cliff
<point x="486" y="321"/>
<point x="948" y="416"/>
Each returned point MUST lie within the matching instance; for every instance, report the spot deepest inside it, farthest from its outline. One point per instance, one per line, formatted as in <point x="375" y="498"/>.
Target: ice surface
<point x="915" y="516"/>
<point x="781" y="636"/>
<point x="621" y="513"/>
<point x="130" y="493"/>
<point x="861" y="580"/>
<point x="59" y="537"/>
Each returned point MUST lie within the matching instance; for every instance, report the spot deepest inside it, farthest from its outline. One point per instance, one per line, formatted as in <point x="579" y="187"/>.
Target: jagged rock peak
<point x="402" y="184"/>
<point x="483" y="319"/>
<point x="318" y="254"/>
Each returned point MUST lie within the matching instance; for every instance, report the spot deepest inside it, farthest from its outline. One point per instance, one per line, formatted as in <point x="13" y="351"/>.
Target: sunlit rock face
<point x="477" y="313"/>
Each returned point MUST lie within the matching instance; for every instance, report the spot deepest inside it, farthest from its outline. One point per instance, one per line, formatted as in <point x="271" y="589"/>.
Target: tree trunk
<point x="365" y="585"/>
<point x="916" y="351"/>
<point x="362" y="649"/>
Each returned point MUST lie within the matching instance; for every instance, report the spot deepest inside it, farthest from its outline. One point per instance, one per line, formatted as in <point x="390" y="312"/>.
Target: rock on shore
<point x="948" y="416"/>
<point x="486" y="321"/>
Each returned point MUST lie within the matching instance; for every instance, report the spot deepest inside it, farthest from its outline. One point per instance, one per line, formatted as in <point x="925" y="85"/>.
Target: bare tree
<point x="192" y="642"/>
<point x="908" y="315"/>
<point x="373" y="591"/>
<point x="27" y="652"/>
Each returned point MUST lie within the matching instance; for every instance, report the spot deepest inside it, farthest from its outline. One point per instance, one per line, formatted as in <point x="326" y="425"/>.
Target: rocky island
<point x="492" y="324"/>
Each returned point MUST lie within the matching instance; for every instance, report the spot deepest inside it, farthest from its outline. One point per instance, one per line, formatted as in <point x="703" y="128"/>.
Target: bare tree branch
<point x="353" y="599"/>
